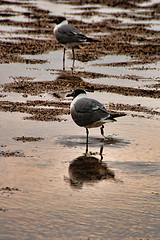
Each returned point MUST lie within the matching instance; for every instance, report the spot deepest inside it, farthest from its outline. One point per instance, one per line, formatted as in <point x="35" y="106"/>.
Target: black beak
<point x="70" y="94"/>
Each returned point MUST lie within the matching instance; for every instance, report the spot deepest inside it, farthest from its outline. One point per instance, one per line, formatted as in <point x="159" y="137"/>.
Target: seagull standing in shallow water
<point x="68" y="36"/>
<point x="89" y="113"/>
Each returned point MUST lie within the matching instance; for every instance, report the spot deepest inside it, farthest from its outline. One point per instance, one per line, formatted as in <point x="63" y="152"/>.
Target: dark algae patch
<point x="11" y="154"/>
<point x="3" y="209"/>
<point x="9" y="189"/>
<point x="73" y="81"/>
<point x="28" y="139"/>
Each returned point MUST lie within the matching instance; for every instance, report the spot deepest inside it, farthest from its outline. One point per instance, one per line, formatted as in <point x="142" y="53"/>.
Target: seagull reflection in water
<point x="88" y="169"/>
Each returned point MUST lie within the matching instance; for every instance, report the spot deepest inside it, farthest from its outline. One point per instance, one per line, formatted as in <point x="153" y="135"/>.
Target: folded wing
<point x="87" y="111"/>
<point x="68" y="34"/>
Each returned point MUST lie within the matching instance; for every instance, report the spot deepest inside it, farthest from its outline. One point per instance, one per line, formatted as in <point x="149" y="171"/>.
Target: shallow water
<point x="50" y="201"/>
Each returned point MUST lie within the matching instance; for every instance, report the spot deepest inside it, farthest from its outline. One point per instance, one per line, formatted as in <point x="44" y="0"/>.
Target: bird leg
<point x="73" y="53"/>
<point x="87" y="132"/>
<point x="64" y="59"/>
<point x="73" y="59"/>
<point x="102" y="131"/>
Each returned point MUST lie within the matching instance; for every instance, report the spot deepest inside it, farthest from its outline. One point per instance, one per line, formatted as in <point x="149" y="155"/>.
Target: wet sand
<point x="49" y="186"/>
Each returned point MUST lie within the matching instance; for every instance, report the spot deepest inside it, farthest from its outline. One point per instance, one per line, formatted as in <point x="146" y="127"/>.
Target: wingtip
<point x="93" y="40"/>
<point x="115" y="115"/>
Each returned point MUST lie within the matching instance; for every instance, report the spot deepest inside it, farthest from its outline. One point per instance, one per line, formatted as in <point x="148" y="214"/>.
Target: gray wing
<point x="87" y="111"/>
<point x="67" y="34"/>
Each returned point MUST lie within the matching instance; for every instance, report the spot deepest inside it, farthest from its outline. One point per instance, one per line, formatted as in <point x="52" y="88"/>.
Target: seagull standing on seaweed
<point x="69" y="37"/>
